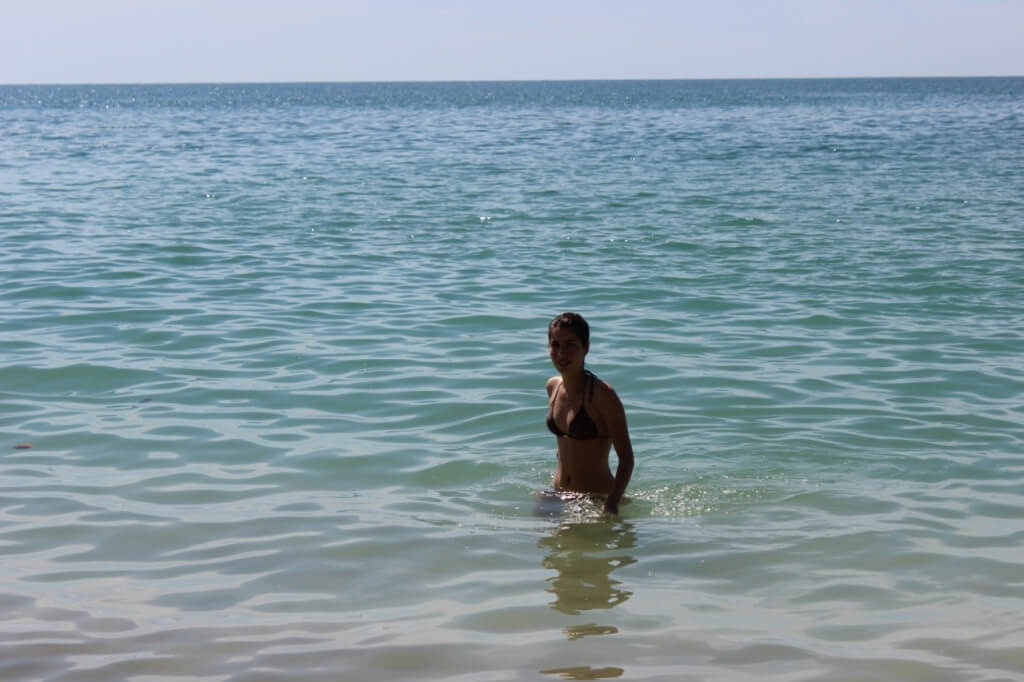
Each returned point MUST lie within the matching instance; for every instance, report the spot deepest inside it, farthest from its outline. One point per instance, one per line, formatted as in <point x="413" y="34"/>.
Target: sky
<point x="176" y="41"/>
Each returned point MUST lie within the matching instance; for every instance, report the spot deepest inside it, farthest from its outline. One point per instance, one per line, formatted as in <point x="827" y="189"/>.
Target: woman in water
<point x="587" y="416"/>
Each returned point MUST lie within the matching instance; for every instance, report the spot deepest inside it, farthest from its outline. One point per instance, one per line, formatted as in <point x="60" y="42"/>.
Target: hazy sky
<point x="136" y="41"/>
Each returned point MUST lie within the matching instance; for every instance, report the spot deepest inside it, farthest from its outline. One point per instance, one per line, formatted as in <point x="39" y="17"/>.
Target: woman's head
<point x="575" y="323"/>
<point x="568" y="341"/>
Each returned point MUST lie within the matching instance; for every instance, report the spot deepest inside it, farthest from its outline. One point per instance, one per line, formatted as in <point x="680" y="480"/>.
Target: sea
<point x="272" y="367"/>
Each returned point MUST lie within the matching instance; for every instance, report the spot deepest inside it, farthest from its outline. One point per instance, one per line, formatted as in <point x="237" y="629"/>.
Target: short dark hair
<point x="575" y="323"/>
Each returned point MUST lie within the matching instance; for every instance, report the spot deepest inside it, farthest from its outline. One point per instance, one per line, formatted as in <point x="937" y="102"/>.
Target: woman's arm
<point x="618" y="432"/>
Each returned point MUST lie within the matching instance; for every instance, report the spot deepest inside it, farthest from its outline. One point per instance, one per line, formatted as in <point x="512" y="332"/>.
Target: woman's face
<point x="567" y="352"/>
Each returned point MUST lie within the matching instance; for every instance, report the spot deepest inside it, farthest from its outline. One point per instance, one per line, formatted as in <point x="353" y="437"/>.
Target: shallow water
<point x="279" y="352"/>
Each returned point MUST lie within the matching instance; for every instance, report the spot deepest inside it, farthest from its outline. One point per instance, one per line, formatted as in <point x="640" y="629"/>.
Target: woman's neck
<point x="574" y="381"/>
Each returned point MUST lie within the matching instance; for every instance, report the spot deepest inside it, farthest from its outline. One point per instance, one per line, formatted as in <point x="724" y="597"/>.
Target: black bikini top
<point x="582" y="426"/>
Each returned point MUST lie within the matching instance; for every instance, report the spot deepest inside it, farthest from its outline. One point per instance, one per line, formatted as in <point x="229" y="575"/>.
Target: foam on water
<point x="279" y="352"/>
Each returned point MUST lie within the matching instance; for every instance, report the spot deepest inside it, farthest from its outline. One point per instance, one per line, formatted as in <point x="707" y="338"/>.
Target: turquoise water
<point x="279" y="352"/>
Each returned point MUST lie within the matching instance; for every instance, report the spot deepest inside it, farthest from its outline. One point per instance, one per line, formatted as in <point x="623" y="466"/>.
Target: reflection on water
<point x="584" y="556"/>
<point x="577" y="631"/>
<point x="585" y="672"/>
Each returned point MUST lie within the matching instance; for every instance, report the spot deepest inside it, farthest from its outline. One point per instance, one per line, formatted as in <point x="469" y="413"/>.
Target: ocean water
<point x="272" y="362"/>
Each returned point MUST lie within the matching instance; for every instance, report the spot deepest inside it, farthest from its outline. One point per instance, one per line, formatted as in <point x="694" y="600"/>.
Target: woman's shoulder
<point x="600" y="384"/>
<point x="552" y="383"/>
<point x="604" y="392"/>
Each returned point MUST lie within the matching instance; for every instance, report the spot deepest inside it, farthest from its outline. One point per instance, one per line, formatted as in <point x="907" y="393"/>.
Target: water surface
<point x="279" y="351"/>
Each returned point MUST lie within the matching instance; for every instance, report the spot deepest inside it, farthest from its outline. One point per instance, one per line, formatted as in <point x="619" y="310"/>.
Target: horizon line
<point x="494" y="80"/>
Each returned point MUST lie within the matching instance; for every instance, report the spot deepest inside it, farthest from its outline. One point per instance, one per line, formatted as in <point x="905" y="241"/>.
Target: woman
<point x="587" y="416"/>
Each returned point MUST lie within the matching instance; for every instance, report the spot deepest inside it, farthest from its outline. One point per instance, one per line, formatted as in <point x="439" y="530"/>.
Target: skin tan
<point x="583" y="464"/>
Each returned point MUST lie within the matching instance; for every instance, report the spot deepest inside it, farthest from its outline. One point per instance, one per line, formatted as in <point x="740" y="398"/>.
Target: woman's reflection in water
<point x="584" y="556"/>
